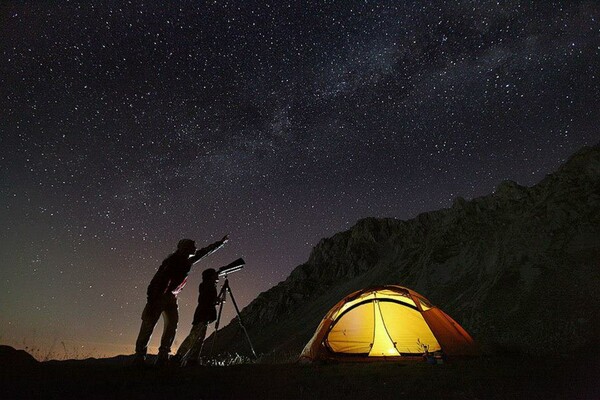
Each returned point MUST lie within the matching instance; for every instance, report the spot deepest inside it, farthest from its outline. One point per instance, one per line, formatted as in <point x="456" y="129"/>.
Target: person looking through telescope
<point x="162" y="293"/>
<point x="205" y="313"/>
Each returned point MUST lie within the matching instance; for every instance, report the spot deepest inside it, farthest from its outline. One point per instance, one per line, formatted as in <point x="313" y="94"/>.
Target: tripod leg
<point x="237" y="310"/>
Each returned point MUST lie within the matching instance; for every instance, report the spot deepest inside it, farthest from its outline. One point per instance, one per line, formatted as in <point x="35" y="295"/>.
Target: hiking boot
<point x="175" y="360"/>
<point x="162" y="360"/>
<point x="139" y="361"/>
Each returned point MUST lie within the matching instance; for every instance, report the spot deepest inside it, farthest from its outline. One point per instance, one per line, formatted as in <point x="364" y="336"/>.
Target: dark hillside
<point x="519" y="268"/>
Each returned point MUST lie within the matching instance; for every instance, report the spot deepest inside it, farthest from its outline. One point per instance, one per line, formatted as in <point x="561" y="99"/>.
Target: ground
<point x="515" y="377"/>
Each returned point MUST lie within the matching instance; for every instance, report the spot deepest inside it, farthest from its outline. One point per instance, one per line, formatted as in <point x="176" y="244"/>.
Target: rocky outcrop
<point x="519" y="268"/>
<point x="11" y="357"/>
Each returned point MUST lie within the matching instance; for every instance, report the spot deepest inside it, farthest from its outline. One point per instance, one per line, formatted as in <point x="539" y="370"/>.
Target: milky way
<point x="126" y="126"/>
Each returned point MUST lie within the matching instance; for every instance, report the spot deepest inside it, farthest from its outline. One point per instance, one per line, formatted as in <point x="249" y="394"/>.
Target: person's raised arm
<point x="208" y="250"/>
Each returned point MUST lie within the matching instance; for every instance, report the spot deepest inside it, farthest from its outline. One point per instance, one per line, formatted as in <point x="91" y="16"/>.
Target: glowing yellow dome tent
<point x="386" y="322"/>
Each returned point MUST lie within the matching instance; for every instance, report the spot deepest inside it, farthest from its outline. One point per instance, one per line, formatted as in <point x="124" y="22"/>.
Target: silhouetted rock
<point x="10" y="357"/>
<point x="519" y="268"/>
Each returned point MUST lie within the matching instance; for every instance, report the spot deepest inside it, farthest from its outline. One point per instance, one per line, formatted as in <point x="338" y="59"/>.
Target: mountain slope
<point x="519" y="268"/>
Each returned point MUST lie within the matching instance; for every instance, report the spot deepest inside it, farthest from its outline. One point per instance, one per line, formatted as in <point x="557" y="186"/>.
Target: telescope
<point x="231" y="267"/>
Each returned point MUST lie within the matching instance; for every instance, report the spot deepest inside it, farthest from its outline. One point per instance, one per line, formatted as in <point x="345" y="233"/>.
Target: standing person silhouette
<point x="162" y="292"/>
<point x="205" y="313"/>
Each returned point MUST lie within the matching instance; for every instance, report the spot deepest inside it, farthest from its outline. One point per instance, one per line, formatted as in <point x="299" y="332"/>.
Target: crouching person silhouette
<point x="206" y="312"/>
<point x="162" y="292"/>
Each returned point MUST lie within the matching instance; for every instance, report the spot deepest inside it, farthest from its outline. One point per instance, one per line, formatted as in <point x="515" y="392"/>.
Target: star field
<point x="125" y="126"/>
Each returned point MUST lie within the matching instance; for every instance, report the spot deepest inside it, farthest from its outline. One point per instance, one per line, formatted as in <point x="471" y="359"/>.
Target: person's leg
<point x="197" y="344"/>
<point x="171" y="318"/>
<point x="150" y="317"/>
<point x="188" y="343"/>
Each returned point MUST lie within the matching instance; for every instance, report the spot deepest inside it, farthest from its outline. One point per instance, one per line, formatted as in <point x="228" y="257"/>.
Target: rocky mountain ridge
<point x="518" y="268"/>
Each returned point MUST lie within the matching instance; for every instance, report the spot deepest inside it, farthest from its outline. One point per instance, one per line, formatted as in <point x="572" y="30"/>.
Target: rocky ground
<point x="506" y="377"/>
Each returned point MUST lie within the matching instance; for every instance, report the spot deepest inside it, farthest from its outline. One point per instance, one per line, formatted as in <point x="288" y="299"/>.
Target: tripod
<point x="222" y="296"/>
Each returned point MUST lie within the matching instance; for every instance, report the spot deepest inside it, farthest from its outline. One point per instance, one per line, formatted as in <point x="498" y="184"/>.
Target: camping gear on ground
<point x="386" y="323"/>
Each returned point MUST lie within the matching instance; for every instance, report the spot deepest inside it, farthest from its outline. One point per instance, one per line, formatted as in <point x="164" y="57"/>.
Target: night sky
<point x="127" y="126"/>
